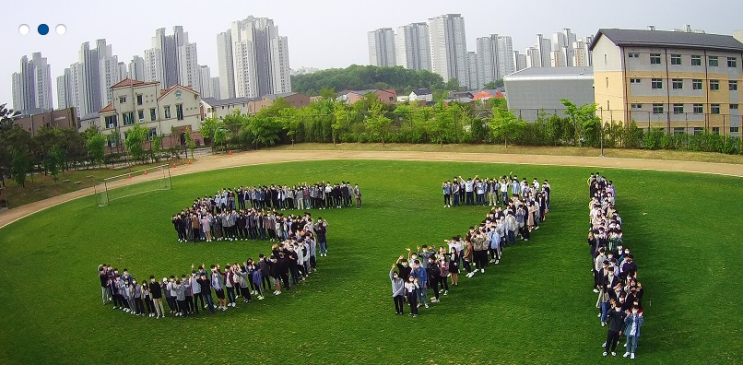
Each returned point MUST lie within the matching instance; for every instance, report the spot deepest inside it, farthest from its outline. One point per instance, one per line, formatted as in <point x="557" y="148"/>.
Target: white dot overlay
<point x="24" y="29"/>
<point x="61" y="29"/>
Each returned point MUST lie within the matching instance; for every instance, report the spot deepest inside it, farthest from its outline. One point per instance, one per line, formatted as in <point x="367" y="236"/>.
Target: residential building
<point x="63" y="118"/>
<point x="216" y="108"/>
<point x="159" y="110"/>
<point x="382" y="47"/>
<point x="562" y="42"/>
<point x="580" y="54"/>
<point x="225" y="65"/>
<point x="32" y="86"/>
<point x="88" y="79"/>
<point x="682" y="82"/>
<point x="505" y="61"/>
<point x="188" y="65"/>
<point x="164" y="62"/>
<point x="519" y="61"/>
<point x="487" y="62"/>
<point x="473" y="68"/>
<point x="557" y="59"/>
<point x="422" y="94"/>
<point x="205" y="82"/>
<point x="449" y="48"/>
<point x="216" y="87"/>
<point x="64" y="98"/>
<point x="533" y="57"/>
<point x="352" y="96"/>
<point x="534" y="89"/>
<point x="260" y="58"/>
<point x="136" y="68"/>
<point x="413" y="47"/>
<point x="544" y="47"/>
<point x="108" y="71"/>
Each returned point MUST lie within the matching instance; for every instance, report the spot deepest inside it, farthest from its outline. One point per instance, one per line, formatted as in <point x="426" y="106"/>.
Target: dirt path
<point x="214" y="162"/>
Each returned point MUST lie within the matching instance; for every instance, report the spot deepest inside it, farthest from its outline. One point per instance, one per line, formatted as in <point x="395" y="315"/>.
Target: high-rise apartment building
<point x="205" y="82"/>
<point x="164" y="61"/>
<point x="260" y="58"/>
<point x="381" y="47"/>
<point x="136" y="68"/>
<point x="504" y="56"/>
<point x="88" y="80"/>
<point x="413" y="47"/>
<point x="64" y="98"/>
<point x="473" y="71"/>
<point x="225" y="65"/>
<point x="533" y="57"/>
<point x="216" y="88"/>
<point x="487" y="65"/>
<point x="519" y="61"/>
<point x="32" y="86"/>
<point x="449" y="47"/>
<point x="188" y="65"/>
<point x="544" y="47"/>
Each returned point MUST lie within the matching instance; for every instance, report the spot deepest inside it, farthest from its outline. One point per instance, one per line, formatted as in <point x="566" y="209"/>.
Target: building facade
<point x="382" y="47"/>
<point x="225" y="67"/>
<point x="62" y="118"/>
<point x="32" y="86"/>
<point x="681" y="82"/>
<point x="413" y="47"/>
<point x="449" y="48"/>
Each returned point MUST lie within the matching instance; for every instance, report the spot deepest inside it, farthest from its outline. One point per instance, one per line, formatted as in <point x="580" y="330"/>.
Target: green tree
<point x="21" y="165"/>
<point x="585" y="121"/>
<point x="6" y="155"/>
<point x="157" y="146"/>
<point x="378" y="123"/>
<point x="190" y="143"/>
<point x="96" y="145"/>
<point x="54" y="162"/>
<point x="208" y="127"/>
<point x="452" y="84"/>
<point x="341" y="121"/>
<point x="134" y="141"/>
<point x="504" y="124"/>
<point x="265" y="130"/>
<point x="493" y="84"/>
<point x="220" y="137"/>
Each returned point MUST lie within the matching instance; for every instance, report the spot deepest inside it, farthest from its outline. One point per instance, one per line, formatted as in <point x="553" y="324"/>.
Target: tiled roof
<point x="168" y="90"/>
<point x="233" y="101"/>
<point x="279" y="95"/>
<point x="107" y="108"/>
<point x="670" y="39"/>
<point x="130" y="82"/>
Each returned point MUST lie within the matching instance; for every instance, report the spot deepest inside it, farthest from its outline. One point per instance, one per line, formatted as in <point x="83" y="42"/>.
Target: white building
<point x="225" y="65"/>
<point x="519" y="61"/>
<point x="260" y="58"/>
<point x="504" y="55"/>
<point x="136" y="68"/>
<point x="413" y="47"/>
<point x="473" y="68"/>
<point x="580" y="54"/>
<point x="487" y="62"/>
<point x="205" y="82"/>
<point x="32" y="86"/>
<point x="381" y="47"/>
<point x="533" y="57"/>
<point x="188" y="65"/>
<point x="216" y="87"/>
<point x="449" y="47"/>
<point x="64" y="99"/>
<point x="544" y="46"/>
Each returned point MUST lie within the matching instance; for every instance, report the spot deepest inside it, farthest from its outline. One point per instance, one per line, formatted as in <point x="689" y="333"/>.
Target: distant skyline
<point x="321" y="34"/>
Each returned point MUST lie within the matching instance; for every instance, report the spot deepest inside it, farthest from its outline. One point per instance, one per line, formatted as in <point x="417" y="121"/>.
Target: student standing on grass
<point x="455" y="192"/>
<point x="411" y="293"/>
<point x="454" y="265"/>
<point x="398" y="290"/>
<point x="632" y="323"/>
<point x="206" y="291"/>
<point x="216" y="283"/>
<point x="157" y="297"/>
<point x="616" y="324"/>
<point x="421" y="276"/>
<point x="446" y="187"/>
<point x="180" y="295"/>
<point x="434" y="277"/>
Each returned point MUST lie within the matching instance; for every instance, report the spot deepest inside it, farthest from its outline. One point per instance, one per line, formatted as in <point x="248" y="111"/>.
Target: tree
<point x="190" y="143"/>
<point x="584" y="120"/>
<point x="135" y="138"/>
<point x="208" y="127"/>
<point x="452" y="84"/>
<point x="54" y="161"/>
<point x="21" y="165"/>
<point x="220" y="137"/>
<point x="493" y="84"/>
<point x="96" y="145"/>
<point x="265" y="130"/>
<point x="341" y="121"/>
<point x="378" y="123"/>
<point x="505" y="125"/>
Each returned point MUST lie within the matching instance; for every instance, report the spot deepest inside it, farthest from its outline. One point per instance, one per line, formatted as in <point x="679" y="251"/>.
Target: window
<point x="178" y="95"/>
<point x="655" y="58"/>
<point x="657" y="108"/>
<point x="122" y="99"/>
<point x="678" y="130"/>
<point x="128" y="118"/>
<point x="716" y="130"/>
<point x="696" y="60"/>
<point x="657" y="83"/>
<point x="678" y="84"/>
<point x="714" y="108"/>
<point x="634" y="81"/>
<point x="732" y="62"/>
<point x="698" y="109"/>
<point x="733" y="129"/>
<point x="712" y="61"/>
<point x="675" y="59"/>
<point x="606" y="60"/>
<point x="714" y="84"/>
<point x="678" y="108"/>
<point x="607" y="82"/>
<point x="636" y="106"/>
<point x="140" y="114"/>
<point x="167" y="112"/>
<point x="696" y="84"/>
<point x="698" y="130"/>
<point x="733" y="106"/>
<point x="153" y="114"/>
<point x="151" y="134"/>
<point x="733" y="85"/>
<point x="110" y="121"/>
<point x="633" y="55"/>
<point x="179" y="111"/>
<point x="139" y="99"/>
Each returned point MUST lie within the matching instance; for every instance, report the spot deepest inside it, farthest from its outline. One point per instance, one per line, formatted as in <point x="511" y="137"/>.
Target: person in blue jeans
<point x="446" y="187"/>
<point x="420" y="274"/>
<point x="206" y="291"/>
<point x="632" y="325"/>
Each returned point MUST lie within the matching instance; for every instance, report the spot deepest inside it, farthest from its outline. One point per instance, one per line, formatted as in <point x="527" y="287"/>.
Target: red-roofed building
<point x="156" y="109"/>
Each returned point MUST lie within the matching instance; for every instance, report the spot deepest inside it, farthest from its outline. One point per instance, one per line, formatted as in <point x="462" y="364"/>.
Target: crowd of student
<point x="489" y="191"/>
<point x="412" y="276"/>
<point x="614" y="269"/>
<point x="254" y="213"/>
<point x="291" y="261"/>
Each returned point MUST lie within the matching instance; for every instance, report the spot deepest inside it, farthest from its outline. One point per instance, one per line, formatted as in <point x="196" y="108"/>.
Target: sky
<point x="322" y="34"/>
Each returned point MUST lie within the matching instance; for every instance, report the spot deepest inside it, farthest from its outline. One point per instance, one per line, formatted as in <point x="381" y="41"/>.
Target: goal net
<point x="133" y="183"/>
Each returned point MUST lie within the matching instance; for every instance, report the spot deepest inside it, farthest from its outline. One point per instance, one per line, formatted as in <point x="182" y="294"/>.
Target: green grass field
<point x="535" y="307"/>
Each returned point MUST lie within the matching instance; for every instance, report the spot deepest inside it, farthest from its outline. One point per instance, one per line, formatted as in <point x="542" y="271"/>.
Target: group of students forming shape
<point x="291" y="261"/>
<point x="491" y="191"/>
<point x="412" y="276"/>
<point x="614" y="269"/>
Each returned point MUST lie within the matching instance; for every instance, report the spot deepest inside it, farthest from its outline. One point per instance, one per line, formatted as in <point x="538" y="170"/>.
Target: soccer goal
<point x="133" y="183"/>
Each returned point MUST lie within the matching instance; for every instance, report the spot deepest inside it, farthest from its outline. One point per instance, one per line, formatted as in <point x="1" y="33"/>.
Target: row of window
<point x="694" y="60"/>
<point x="679" y="108"/>
<point x="128" y="117"/>
<point x="678" y="84"/>
<point x="700" y="130"/>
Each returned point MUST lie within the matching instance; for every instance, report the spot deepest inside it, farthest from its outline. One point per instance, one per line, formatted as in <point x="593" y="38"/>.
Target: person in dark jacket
<point x="206" y="291"/>
<point x="616" y="325"/>
<point x="157" y="297"/>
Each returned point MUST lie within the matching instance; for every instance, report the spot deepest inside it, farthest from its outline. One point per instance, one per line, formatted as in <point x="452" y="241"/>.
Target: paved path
<point x="214" y="162"/>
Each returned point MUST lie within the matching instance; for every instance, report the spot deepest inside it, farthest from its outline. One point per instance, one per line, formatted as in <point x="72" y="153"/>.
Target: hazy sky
<point x="326" y="33"/>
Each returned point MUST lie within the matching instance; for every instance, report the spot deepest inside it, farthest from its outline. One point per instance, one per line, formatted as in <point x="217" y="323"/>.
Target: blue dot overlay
<point x="43" y="29"/>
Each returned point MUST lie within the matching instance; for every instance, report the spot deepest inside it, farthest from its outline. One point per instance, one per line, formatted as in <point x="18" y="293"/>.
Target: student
<point x="421" y="276"/>
<point x="616" y="324"/>
<point x="137" y="298"/>
<point x="434" y="277"/>
<point x="149" y="304"/>
<point x="411" y="293"/>
<point x="321" y="229"/>
<point x="446" y="186"/>
<point x="180" y="294"/>
<point x="443" y="265"/>
<point x="216" y="283"/>
<point x="398" y="290"/>
<point x="454" y="265"/>
<point x="206" y="291"/>
<point x="632" y="323"/>
<point x="157" y="297"/>
<point x="242" y="280"/>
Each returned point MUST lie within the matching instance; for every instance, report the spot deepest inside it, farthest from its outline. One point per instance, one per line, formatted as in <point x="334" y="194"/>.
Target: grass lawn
<point x="535" y="307"/>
